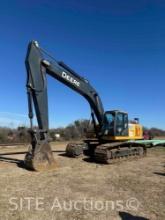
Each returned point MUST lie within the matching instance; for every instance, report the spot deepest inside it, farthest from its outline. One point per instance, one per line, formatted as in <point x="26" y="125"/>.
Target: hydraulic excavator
<point x="113" y="136"/>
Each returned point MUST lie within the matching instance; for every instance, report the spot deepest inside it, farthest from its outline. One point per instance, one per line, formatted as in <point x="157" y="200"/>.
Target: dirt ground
<point x="81" y="190"/>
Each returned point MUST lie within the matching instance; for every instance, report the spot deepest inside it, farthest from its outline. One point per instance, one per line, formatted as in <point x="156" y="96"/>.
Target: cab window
<point x="122" y="124"/>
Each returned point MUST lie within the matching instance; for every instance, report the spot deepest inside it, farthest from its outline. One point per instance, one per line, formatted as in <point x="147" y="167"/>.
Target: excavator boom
<point x="38" y="66"/>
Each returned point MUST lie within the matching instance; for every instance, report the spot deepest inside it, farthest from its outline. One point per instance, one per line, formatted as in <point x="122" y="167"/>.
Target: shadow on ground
<point x="127" y="216"/>
<point x="92" y="160"/>
<point x="86" y="159"/>
<point x="10" y="160"/>
<point x="20" y="163"/>
<point x="63" y="154"/>
<point x="160" y="174"/>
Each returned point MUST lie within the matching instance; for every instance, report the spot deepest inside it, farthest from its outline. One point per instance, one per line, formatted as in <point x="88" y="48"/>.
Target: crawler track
<point x="107" y="153"/>
<point x="114" y="152"/>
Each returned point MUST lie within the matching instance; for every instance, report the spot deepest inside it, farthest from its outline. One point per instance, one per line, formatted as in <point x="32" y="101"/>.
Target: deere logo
<point x="70" y="79"/>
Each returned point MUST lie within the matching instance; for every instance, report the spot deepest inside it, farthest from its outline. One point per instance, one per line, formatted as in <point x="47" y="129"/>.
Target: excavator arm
<point x="38" y="64"/>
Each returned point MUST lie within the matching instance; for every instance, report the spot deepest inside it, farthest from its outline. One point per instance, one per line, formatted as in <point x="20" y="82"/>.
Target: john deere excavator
<point x="113" y="135"/>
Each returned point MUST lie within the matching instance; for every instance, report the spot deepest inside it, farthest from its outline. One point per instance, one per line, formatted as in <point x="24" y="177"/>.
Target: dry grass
<point x="77" y="179"/>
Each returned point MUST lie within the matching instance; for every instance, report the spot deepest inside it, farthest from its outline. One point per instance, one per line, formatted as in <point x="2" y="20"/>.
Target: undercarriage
<point x="106" y="153"/>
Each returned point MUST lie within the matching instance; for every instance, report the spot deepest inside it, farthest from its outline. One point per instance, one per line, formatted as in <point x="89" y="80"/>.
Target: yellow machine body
<point x="117" y="127"/>
<point x="135" y="132"/>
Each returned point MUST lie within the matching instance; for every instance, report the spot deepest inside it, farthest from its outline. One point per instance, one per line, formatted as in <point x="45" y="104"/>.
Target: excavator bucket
<point x="41" y="158"/>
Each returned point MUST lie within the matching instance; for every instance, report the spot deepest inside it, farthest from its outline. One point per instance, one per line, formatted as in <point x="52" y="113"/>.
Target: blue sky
<point x="118" y="45"/>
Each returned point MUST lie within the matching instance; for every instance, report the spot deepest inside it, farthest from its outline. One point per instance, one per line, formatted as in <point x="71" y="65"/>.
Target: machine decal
<point x="70" y="79"/>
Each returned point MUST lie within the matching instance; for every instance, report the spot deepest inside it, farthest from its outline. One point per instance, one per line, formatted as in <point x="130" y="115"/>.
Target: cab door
<point x="121" y="128"/>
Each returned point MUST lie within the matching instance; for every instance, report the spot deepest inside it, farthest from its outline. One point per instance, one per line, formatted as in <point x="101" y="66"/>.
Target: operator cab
<point x="115" y="123"/>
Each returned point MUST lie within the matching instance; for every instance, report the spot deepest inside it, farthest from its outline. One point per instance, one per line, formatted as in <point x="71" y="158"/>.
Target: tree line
<point x="74" y="131"/>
